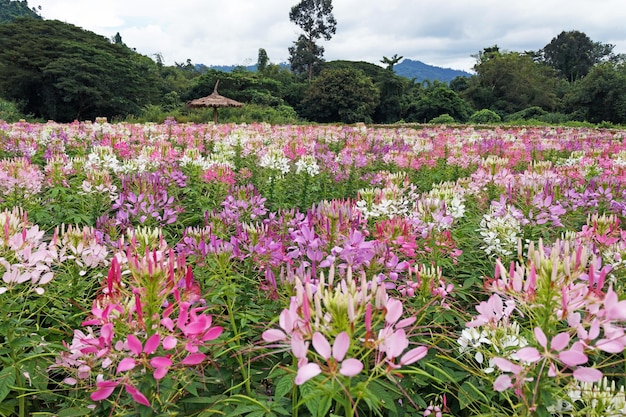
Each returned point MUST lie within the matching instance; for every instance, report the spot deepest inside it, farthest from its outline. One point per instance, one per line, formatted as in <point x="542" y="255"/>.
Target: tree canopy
<point x="572" y="54"/>
<point x="340" y="95"/>
<point x="11" y="10"/>
<point x="63" y="72"/>
<point x="315" y="19"/>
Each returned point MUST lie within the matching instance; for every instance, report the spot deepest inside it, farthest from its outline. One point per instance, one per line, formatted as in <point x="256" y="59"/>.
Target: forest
<point x="50" y="70"/>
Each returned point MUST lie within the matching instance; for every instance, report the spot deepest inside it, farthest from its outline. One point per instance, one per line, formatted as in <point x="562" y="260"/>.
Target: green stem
<point x="233" y="324"/>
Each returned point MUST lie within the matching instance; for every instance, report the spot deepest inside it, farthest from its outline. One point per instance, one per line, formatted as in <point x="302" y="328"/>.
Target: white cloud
<point x="444" y="33"/>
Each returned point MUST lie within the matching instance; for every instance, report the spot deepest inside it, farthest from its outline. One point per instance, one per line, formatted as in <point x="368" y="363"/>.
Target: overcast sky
<point x="444" y="33"/>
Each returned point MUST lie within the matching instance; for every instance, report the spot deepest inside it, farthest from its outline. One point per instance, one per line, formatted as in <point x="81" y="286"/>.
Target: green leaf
<point x="283" y="386"/>
<point x="7" y="379"/>
<point x="382" y="392"/>
<point x="469" y="394"/>
<point x="74" y="411"/>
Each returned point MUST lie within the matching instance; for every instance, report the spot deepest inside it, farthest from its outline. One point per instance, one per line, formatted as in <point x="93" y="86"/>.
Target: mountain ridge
<point x="412" y="69"/>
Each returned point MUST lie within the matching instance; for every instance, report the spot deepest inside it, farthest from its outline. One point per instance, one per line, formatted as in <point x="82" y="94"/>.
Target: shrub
<point x="443" y="119"/>
<point x="484" y="116"/>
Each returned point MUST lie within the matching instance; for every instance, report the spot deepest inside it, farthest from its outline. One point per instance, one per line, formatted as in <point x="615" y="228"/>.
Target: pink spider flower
<point x="334" y="357"/>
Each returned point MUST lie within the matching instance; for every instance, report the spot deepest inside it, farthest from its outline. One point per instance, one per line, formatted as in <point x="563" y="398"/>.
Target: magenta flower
<point x="136" y="395"/>
<point x="137" y="349"/>
<point x="333" y="355"/>
<point x="105" y="389"/>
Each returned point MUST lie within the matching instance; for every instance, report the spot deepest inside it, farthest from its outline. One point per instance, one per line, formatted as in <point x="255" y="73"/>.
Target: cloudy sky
<point x="444" y="33"/>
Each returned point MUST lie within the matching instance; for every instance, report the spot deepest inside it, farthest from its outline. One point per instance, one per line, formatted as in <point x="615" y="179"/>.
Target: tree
<point x="262" y="60"/>
<point x="63" y="72"/>
<point x="315" y="18"/>
<point x="391" y="61"/>
<point x="572" y="54"/>
<point x="436" y="100"/>
<point x="10" y="10"/>
<point x="343" y="95"/>
<point x="507" y="82"/>
<point x="601" y="95"/>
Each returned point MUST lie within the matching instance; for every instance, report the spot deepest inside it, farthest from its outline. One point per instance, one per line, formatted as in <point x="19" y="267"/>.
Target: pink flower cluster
<point x="364" y="322"/>
<point x="147" y="323"/>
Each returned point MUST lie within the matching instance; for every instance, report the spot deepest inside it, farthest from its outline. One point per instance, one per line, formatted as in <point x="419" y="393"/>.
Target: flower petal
<point x="541" y="337"/>
<point x="152" y="344"/>
<point x="351" y="367"/>
<point x="137" y="396"/>
<point x="159" y="373"/>
<point x="160" y="362"/>
<point x="528" y="354"/>
<point x="105" y="389"/>
<point x="306" y="372"/>
<point x="126" y="364"/>
<point x="502" y="383"/>
<point x="585" y="374"/>
<point x="341" y="345"/>
<point x="169" y="342"/>
<point x="572" y="357"/>
<point x="394" y="310"/>
<point x="321" y="345"/>
<point x="506" y="365"/>
<point x="274" y="335"/>
<point x="414" y="355"/>
<point x="559" y="342"/>
<point x="212" y="334"/>
<point x="134" y="344"/>
<point x="193" y="359"/>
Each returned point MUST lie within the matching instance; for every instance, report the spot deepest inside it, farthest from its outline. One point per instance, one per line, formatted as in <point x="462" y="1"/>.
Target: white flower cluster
<point x="102" y="157"/>
<point x="142" y="163"/>
<point x="275" y="159"/>
<point x="192" y="157"/>
<point x="452" y="195"/>
<point x="500" y="233"/>
<point x="88" y="188"/>
<point x="574" y="159"/>
<point x="601" y="398"/>
<point x="487" y="343"/>
<point x="388" y="202"/>
<point x="308" y="164"/>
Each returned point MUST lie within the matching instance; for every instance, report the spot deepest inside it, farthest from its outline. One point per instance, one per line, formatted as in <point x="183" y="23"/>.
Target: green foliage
<point x="439" y="99"/>
<point x="340" y="95"/>
<point x="11" y="10"/>
<point x="9" y="111"/>
<point x="64" y="73"/>
<point x="315" y="19"/>
<point x="508" y="82"/>
<point x="601" y="95"/>
<point x="443" y="119"/>
<point x="534" y="112"/>
<point x="572" y="54"/>
<point x="485" y="116"/>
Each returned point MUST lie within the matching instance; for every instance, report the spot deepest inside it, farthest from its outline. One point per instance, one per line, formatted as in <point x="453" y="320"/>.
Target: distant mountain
<point x="407" y="68"/>
<point x="420" y="71"/>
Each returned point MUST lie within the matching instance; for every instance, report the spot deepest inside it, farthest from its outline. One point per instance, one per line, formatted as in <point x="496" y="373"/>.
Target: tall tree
<point x="63" y="72"/>
<point x="572" y="54"/>
<point x="315" y="18"/>
<point x="601" y="95"/>
<point x="344" y="95"/>
<point x="10" y="10"/>
<point x="507" y="82"/>
<point x="262" y="60"/>
<point x="391" y="61"/>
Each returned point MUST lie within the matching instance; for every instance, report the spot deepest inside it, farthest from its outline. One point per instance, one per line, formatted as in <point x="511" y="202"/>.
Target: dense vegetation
<point x="54" y="70"/>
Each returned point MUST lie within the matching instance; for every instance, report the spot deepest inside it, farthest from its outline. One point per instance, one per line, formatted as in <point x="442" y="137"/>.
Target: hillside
<point x="10" y="10"/>
<point x="420" y="71"/>
<point x="407" y="68"/>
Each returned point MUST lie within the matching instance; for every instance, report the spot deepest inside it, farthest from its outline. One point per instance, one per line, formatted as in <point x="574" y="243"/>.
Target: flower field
<point x="257" y="270"/>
